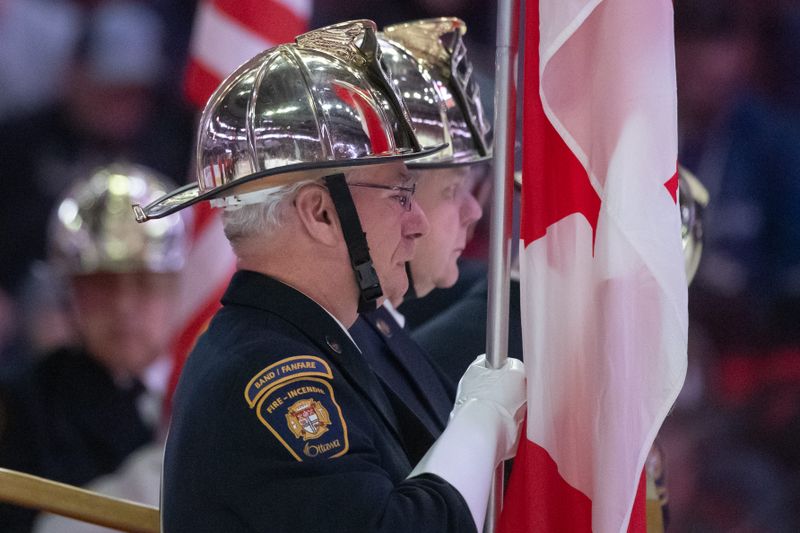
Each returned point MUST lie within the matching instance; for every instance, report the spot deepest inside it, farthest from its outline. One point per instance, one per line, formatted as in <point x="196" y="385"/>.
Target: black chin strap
<point x="411" y="293"/>
<point x="356" y="240"/>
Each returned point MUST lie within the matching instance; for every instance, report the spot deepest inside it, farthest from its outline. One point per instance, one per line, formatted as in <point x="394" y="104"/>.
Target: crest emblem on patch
<point x="308" y="419"/>
<point x="294" y="398"/>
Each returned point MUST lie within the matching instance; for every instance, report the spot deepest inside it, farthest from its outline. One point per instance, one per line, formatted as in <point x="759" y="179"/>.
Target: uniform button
<point x="333" y="344"/>
<point x="384" y="327"/>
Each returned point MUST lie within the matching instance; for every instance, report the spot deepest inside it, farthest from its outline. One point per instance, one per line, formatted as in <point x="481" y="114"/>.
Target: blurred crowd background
<point x="87" y="82"/>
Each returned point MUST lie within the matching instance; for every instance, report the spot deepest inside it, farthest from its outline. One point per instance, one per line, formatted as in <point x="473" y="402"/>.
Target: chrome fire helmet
<point x="692" y="198"/>
<point x="301" y="111"/>
<point x="92" y="230"/>
<point x="427" y="60"/>
<point x="296" y="111"/>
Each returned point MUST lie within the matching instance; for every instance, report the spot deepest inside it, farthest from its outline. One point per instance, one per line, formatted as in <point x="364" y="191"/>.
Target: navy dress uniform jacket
<point x="420" y="393"/>
<point x="280" y="425"/>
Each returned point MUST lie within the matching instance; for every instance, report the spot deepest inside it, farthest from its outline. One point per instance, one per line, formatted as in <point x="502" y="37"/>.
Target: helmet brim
<point x="190" y="194"/>
<point x="451" y="163"/>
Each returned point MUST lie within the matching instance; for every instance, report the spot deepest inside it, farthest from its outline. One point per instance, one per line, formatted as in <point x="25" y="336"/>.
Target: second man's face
<point x="446" y="197"/>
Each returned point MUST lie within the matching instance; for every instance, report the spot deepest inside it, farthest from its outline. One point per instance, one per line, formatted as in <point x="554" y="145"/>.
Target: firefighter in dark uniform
<point x="423" y="58"/>
<point x="79" y="411"/>
<point x="279" y="424"/>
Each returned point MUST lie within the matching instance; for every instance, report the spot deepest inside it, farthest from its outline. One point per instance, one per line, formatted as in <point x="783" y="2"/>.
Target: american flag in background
<point x="205" y="276"/>
<point x="603" y="288"/>
<point x="226" y="33"/>
<point x="229" y="32"/>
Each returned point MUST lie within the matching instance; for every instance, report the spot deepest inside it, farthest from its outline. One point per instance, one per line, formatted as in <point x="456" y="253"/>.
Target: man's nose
<point x="415" y="223"/>
<point x="470" y="210"/>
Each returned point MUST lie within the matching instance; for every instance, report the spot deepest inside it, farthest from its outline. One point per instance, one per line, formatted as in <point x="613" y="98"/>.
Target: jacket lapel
<point x="431" y="390"/>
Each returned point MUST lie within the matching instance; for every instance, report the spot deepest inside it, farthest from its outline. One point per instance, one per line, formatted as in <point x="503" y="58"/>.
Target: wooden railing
<point x="25" y="490"/>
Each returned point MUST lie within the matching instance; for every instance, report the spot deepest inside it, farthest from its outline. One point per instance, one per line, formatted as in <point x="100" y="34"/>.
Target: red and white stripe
<point x="209" y="267"/>
<point x="604" y="296"/>
<point x="229" y="32"/>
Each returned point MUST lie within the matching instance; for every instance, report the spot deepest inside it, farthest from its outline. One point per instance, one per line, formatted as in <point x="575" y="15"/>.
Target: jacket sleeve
<point x="349" y="494"/>
<point x="364" y="489"/>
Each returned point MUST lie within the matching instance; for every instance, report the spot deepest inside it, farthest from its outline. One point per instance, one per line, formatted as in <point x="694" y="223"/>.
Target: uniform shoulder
<point x="236" y="356"/>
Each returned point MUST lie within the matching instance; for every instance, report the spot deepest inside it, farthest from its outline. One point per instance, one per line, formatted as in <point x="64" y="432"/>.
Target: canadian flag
<point x="604" y="296"/>
<point x="226" y="33"/>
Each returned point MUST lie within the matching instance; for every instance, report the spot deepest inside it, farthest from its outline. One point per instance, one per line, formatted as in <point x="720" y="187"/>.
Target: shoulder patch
<point x="282" y="371"/>
<point x="294" y="399"/>
<point x="303" y="415"/>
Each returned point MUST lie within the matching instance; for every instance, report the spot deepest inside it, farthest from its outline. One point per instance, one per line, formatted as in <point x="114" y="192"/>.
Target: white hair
<point x="256" y="217"/>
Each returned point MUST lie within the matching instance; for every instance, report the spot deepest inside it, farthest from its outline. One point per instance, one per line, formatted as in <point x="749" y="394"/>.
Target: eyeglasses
<point x="403" y="197"/>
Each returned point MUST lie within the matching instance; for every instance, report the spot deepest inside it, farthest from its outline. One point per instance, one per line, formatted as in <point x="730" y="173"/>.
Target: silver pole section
<point x="505" y="95"/>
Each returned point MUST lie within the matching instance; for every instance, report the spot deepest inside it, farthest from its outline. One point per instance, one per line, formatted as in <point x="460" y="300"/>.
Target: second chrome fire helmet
<point x="429" y="65"/>
<point x="92" y="230"/>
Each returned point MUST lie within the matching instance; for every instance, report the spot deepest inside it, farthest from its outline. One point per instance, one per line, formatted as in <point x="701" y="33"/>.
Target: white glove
<point x="482" y="431"/>
<point x="503" y="389"/>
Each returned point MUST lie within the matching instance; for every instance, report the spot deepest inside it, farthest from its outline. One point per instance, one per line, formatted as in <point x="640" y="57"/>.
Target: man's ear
<point x="317" y="214"/>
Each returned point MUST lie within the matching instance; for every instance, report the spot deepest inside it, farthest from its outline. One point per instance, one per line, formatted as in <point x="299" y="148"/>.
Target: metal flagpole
<point x="505" y="98"/>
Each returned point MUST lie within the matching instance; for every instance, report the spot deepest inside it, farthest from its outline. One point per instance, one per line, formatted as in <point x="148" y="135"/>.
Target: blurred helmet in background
<point x="92" y="229"/>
